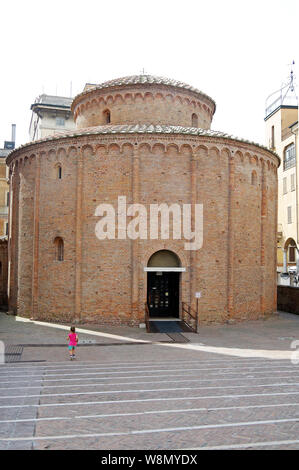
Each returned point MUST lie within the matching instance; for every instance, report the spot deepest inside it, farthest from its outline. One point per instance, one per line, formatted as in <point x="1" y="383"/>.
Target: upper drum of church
<point x="143" y="99"/>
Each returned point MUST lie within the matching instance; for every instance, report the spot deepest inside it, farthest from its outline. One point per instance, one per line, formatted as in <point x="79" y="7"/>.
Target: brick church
<point x="144" y="140"/>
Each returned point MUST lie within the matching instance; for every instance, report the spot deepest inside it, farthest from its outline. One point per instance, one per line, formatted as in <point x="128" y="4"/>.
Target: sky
<point x="237" y="52"/>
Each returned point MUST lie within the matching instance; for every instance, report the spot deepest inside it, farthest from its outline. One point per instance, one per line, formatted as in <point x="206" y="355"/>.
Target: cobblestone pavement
<point x="149" y="396"/>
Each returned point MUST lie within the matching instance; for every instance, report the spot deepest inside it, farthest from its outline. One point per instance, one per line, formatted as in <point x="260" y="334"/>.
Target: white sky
<point x="235" y="51"/>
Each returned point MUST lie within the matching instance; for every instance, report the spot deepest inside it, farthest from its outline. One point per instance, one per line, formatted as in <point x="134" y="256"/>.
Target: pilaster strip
<point x="135" y="243"/>
<point x="78" y="250"/>
<point x="13" y="239"/>
<point x="263" y="220"/>
<point x="231" y="238"/>
<point x="193" y="253"/>
<point x="35" y="260"/>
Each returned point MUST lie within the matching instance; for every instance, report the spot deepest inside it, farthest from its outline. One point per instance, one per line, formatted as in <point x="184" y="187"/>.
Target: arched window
<point x="107" y="116"/>
<point x="292" y="253"/>
<point x="59" y="172"/>
<point x="194" y="120"/>
<point x="59" y="249"/>
<point x="290" y="249"/>
<point x="254" y="178"/>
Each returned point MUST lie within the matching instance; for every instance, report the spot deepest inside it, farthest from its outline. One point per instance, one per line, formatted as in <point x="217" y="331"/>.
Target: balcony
<point x="289" y="163"/>
<point x="289" y="156"/>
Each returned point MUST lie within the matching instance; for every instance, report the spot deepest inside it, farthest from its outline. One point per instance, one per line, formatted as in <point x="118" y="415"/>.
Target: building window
<point x="59" y="172"/>
<point x="7" y="198"/>
<point x="289" y="157"/>
<point x="107" y="116"/>
<point x="272" y="146"/>
<point x="60" y="121"/>
<point x="59" y="249"/>
<point x="292" y="255"/>
<point x="284" y="181"/>
<point x="253" y="178"/>
<point x="194" y="120"/>
<point x="293" y="182"/>
<point x="289" y="214"/>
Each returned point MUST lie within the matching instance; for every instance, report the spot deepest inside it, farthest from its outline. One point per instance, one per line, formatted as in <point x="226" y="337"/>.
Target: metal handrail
<point x="187" y="309"/>
<point x="147" y="317"/>
<point x="290" y="163"/>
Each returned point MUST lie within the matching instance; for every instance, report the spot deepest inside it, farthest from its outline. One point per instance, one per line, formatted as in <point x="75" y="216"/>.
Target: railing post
<point x="146" y="317"/>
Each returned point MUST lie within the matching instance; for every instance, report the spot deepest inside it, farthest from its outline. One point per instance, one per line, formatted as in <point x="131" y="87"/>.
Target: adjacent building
<point x="9" y="145"/>
<point x="4" y="205"/>
<point x="282" y="136"/>
<point x="50" y="114"/>
<point x="4" y="193"/>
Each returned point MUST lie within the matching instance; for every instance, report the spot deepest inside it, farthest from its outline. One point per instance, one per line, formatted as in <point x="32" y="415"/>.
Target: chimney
<point x="13" y="133"/>
<point x="10" y="144"/>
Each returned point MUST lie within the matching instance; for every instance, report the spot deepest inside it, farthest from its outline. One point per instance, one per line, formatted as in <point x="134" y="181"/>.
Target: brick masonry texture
<point x="136" y="107"/>
<point x="104" y="281"/>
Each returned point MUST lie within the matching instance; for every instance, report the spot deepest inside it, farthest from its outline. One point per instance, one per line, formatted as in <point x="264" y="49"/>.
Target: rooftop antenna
<point x="290" y="84"/>
<point x="292" y="76"/>
<point x="286" y="94"/>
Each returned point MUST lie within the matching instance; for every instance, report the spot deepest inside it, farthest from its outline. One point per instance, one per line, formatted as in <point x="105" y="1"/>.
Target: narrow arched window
<point x="59" y="172"/>
<point x="59" y="249"/>
<point x="253" y="178"/>
<point x="292" y="254"/>
<point x="272" y="138"/>
<point x="107" y="116"/>
<point x="194" y="120"/>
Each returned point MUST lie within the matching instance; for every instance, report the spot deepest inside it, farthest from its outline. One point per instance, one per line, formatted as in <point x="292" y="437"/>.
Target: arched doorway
<point x="163" y="284"/>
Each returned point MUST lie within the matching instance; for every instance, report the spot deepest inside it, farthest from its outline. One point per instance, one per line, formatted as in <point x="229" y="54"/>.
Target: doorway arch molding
<point x="183" y="255"/>
<point x="164" y="258"/>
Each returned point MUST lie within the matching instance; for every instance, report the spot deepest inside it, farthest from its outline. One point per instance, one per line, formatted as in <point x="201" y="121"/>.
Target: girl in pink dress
<point x="73" y="340"/>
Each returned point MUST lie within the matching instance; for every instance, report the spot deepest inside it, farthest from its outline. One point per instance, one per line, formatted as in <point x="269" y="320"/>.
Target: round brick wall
<point x="104" y="280"/>
<point x="129" y="101"/>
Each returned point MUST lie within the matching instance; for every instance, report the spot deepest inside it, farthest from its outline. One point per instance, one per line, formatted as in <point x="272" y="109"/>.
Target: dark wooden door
<point x="163" y="294"/>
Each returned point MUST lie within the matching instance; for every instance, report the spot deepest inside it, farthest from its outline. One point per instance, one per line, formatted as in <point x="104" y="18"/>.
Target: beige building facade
<point x="4" y="193"/>
<point x="4" y="208"/>
<point x="282" y="137"/>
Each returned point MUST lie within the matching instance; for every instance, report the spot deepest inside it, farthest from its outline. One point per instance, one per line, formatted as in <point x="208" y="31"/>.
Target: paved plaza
<point x="230" y="387"/>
